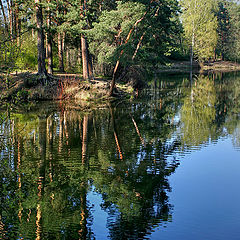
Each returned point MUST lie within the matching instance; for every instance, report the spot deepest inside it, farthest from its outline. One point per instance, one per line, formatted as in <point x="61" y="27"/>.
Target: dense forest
<point x="102" y="37"/>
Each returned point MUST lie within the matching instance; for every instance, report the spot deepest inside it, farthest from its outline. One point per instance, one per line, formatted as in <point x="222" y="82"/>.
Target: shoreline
<point x="62" y="86"/>
<point x="185" y="67"/>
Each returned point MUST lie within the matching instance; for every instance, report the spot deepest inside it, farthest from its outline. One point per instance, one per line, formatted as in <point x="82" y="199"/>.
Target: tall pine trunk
<point x="49" y="43"/>
<point x="85" y="58"/>
<point x="4" y="16"/>
<point x="49" y="54"/>
<point x="90" y="64"/>
<point x="40" y="41"/>
<point x="17" y="23"/>
<point x="10" y="16"/>
<point x="68" y="63"/>
<point x="60" y="52"/>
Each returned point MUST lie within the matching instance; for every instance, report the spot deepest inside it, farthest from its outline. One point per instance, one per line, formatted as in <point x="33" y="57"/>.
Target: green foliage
<point x="161" y="35"/>
<point x="200" y="27"/>
<point x="228" y="16"/>
<point x="233" y="50"/>
<point x="22" y="95"/>
<point x="27" y="60"/>
<point x="112" y="29"/>
<point x="158" y="30"/>
<point x="9" y="52"/>
<point x="223" y="29"/>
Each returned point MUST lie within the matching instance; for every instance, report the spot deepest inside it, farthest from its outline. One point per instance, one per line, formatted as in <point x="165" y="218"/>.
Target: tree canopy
<point x="91" y="36"/>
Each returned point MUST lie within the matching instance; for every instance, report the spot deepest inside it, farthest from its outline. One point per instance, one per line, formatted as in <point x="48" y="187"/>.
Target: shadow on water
<point x="54" y="155"/>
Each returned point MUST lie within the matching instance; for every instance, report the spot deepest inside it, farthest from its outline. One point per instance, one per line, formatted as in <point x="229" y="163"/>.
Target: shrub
<point x="27" y="59"/>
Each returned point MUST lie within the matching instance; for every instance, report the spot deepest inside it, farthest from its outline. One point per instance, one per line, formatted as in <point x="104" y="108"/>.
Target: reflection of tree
<point x="55" y="181"/>
<point x="135" y="189"/>
<point x="198" y="112"/>
<point x="45" y="202"/>
<point x="84" y="138"/>
<point x="126" y="152"/>
<point x="228" y="112"/>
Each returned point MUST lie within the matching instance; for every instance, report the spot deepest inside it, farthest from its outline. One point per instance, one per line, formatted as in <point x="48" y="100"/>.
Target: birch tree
<point x="200" y="27"/>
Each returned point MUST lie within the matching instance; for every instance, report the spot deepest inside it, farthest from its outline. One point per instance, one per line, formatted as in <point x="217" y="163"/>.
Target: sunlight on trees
<point x="200" y="27"/>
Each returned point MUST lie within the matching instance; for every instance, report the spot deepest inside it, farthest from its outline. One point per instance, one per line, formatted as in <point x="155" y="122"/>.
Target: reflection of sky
<point x="205" y="195"/>
<point x="99" y="216"/>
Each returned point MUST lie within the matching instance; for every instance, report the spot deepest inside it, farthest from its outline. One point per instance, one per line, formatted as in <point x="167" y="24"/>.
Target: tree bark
<point x="67" y="57"/>
<point x="138" y="46"/>
<point x="90" y="65"/>
<point x="49" y="55"/>
<point x="10" y="16"/>
<point x="63" y="42"/>
<point x="79" y="54"/>
<point x="49" y="43"/>
<point x="113" y="82"/>
<point x="4" y="16"/>
<point x="40" y="41"/>
<point x="60" y="53"/>
<point x="85" y="58"/>
<point x="17" y="23"/>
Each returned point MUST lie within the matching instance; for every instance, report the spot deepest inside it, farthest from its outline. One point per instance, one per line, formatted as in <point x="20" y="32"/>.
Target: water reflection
<point x="53" y="156"/>
<point x="198" y="112"/>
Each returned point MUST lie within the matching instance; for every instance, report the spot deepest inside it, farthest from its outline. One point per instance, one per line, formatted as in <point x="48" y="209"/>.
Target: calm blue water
<point x="163" y="166"/>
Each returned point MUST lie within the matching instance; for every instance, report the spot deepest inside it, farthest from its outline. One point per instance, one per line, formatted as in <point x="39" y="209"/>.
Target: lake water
<point x="165" y="165"/>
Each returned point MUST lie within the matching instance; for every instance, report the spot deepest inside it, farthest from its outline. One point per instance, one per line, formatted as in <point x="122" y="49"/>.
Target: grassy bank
<point x="25" y="86"/>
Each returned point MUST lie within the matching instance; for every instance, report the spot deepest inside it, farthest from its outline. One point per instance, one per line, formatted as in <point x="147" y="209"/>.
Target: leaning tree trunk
<point x="113" y="82"/>
<point x="42" y="72"/>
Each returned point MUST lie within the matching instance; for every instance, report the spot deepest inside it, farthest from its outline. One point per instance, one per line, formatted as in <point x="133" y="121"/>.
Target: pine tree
<point x="223" y="29"/>
<point x="233" y="48"/>
<point x="42" y="72"/>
